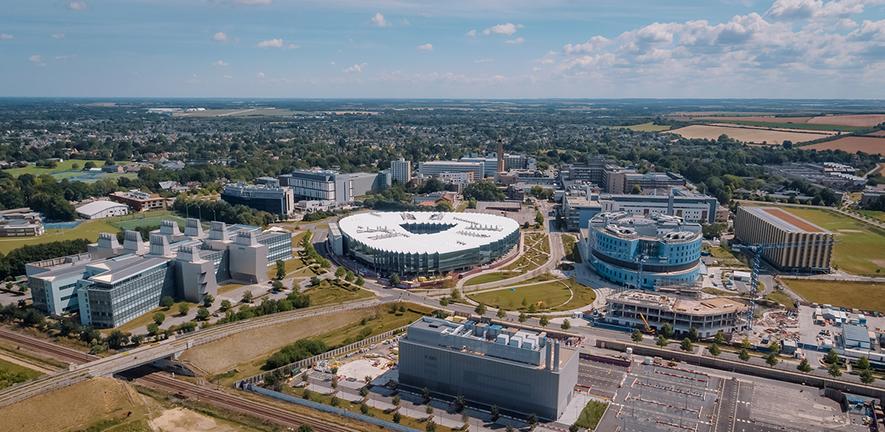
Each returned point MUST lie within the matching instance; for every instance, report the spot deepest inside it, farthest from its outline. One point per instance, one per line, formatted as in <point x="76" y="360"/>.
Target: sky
<point x="443" y="48"/>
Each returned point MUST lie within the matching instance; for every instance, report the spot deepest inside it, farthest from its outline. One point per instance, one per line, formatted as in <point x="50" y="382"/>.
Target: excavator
<point x="648" y="329"/>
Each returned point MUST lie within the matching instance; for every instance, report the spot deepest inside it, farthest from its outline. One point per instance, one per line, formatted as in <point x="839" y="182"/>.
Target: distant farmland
<point x="747" y="135"/>
<point x="845" y="123"/>
<point x="853" y="144"/>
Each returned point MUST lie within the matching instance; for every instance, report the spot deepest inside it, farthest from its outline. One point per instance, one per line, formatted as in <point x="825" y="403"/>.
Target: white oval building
<point x="420" y="243"/>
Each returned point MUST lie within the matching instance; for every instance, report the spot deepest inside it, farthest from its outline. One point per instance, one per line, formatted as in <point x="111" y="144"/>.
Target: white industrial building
<point x="102" y="209"/>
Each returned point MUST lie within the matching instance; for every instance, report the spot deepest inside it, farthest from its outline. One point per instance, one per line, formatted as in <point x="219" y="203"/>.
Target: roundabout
<point x="425" y="243"/>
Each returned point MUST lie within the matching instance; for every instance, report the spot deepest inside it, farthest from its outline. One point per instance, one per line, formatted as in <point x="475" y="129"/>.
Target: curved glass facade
<point x="644" y="252"/>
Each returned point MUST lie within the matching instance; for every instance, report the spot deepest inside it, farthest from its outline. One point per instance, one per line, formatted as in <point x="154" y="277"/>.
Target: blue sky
<point x="443" y="49"/>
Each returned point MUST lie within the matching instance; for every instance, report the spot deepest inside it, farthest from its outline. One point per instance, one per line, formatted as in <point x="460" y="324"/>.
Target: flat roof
<point x="388" y="231"/>
<point x="784" y="220"/>
<point x="708" y="306"/>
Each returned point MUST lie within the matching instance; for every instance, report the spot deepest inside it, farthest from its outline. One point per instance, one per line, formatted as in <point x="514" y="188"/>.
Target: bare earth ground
<point x="772" y="119"/>
<point x="880" y="133"/>
<point x="757" y="136"/>
<point x="223" y="355"/>
<point x="852" y="144"/>
<point x="733" y="125"/>
<point x="73" y="408"/>
<point x="862" y="120"/>
<point x="185" y="420"/>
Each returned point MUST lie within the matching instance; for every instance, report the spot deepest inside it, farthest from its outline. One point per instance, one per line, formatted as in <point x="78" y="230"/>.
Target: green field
<point x="855" y="295"/>
<point x="146" y="219"/>
<point x="491" y="277"/>
<point x="67" y="165"/>
<point x="859" y="246"/>
<point x="880" y="215"/>
<point x="377" y="324"/>
<point x="780" y="297"/>
<point x="648" y="127"/>
<point x="327" y="293"/>
<point x="558" y="295"/>
<point x="11" y="373"/>
<point x="782" y="125"/>
<point x="591" y="415"/>
<point x="726" y="257"/>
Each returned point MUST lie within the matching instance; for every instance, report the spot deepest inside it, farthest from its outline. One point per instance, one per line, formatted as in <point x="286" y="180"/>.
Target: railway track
<point x="162" y="382"/>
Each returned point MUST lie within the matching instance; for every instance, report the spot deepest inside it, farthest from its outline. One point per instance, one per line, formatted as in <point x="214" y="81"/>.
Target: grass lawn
<point x="859" y="295"/>
<point x="327" y="294"/>
<point x="492" y="277"/>
<point x="880" y="215"/>
<point x="383" y="321"/>
<point x="648" y="127"/>
<point x="148" y="318"/>
<point x="146" y="219"/>
<point x="780" y="297"/>
<point x="552" y="295"/>
<point x="859" y="246"/>
<point x="67" y="165"/>
<point x="88" y="230"/>
<point x="570" y="248"/>
<point x="11" y="373"/>
<point x="291" y="266"/>
<point x="726" y="257"/>
<point x="583" y="296"/>
<point x="591" y="415"/>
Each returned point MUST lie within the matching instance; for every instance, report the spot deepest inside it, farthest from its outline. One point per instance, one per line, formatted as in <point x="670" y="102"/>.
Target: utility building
<point x="518" y="370"/>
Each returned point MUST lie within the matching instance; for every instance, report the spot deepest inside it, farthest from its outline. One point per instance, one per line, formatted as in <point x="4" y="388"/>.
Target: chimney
<point x="132" y="241"/>
<point x="549" y="356"/>
<point x="160" y="245"/>
<point x="169" y="228"/>
<point x="246" y="238"/>
<point x="107" y="241"/>
<point x="500" y="155"/>
<point x="217" y="231"/>
<point x="556" y="356"/>
<point x="193" y="228"/>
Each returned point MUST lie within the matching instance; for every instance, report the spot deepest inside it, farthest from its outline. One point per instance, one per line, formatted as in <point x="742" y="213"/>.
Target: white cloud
<point x="271" y="43"/>
<point x="253" y="2"/>
<point x="260" y="75"/>
<point x="220" y="63"/>
<point x="802" y="9"/>
<point x="220" y="37"/>
<point x="58" y="35"/>
<point x="425" y="47"/>
<point x="378" y="20"/>
<point x="6" y="36"/>
<point x="77" y="5"/>
<point x="506" y="29"/>
<point x="515" y="41"/>
<point x="592" y="44"/>
<point x="357" y="68"/>
<point x="36" y="59"/>
<point x="471" y="33"/>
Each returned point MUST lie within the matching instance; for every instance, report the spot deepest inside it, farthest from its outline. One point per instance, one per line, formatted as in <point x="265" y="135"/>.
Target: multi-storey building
<point x="644" y="252"/>
<point x="519" y="370"/>
<point x="579" y="208"/>
<point x="691" y="207"/>
<point x="140" y="201"/>
<point x="323" y="185"/>
<point x="435" y="168"/>
<point x="510" y="161"/>
<point x="401" y="171"/>
<point x="21" y="222"/>
<point x="797" y="245"/>
<point x="112" y="283"/>
<point x="709" y="316"/>
<point x="271" y="198"/>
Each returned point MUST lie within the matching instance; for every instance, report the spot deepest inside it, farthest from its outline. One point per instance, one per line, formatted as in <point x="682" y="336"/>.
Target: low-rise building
<point x="21" y="222"/>
<point x="519" y="370"/>
<point x="102" y="209"/>
<point x="635" y="309"/>
<point x="140" y="201"/>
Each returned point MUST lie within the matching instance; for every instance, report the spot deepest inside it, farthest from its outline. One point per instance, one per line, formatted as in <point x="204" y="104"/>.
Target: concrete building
<point x="112" y="284"/>
<point x="578" y="209"/>
<point x="269" y="197"/>
<point x="102" y="209"/>
<point x="140" y="201"/>
<point x="435" y="168"/>
<point x="519" y="370"/>
<point x="635" y="308"/>
<point x="506" y="162"/>
<point x="321" y="185"/>
<point x="401" y="171"/>
<point x="21" y="222"/>
<point x="690" y="206"/>
<point x="644" y="252"/>
<point x="421" y="243"/>
<point x="807" y="247"/>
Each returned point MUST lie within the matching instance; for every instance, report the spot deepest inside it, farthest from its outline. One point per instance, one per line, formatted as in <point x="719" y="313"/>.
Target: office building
<point x="21" y="222"/>
<point x="644" y="252"/>
<point x="112" y="284"/>
<point x="708" y="316"/>
<point x="435" y="168"/>
<point x="518" y="370"/>
<point x="269" y="197"/>
<point x="140" y="201"/>
<point x="493" y="165"/>
<point x="102" y="209"/>
<point x="794" y="243"/>
<point x="420" y="243"/>
<point x="401" y="171"/>
<point x="322" y="185"/>
<point x="689" y="206"/>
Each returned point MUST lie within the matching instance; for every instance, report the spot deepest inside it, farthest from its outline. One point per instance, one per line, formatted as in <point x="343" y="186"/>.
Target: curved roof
<point x="97" y="207"/>
<point x="426" y="232"/>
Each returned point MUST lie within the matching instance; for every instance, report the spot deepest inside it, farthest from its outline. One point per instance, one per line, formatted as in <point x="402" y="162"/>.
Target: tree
<point x="544" y="321"/>
<point x="636" y="336"/>
<point x="480" y="309"/>
<point x="364" y="408"/>
<point x="863" y="363"/>
<point x="866" y="376"/>
<point x="771" y="359"/>
<point x="662" y="341"/>
<point x="744" y="355"/>
<point x="159" y="317"/>
<point x="804" y="366"/>
<point x="395" y="279"/>
<point x="183" y="309"/>
<point x="360" y="281"/>
<point x="281" y="270"/>
<point x="667" y="330"/>
<point x="425" y="394"/>
<point x="208" y="300"/>
<point x="117" y="339"/>
<point x="431" y="426"/>
<point x="686" y="344"/>
<point x="397" y="417"/>
<point x="202" y="314"/>
<point x="339" y="272"/>
<point x="167" y="302"/>
<point x="153" y="329"/>
<point x="305" y="428"/>
<point x="834" y="370"/>
<point x="522" y="317"/>
<point x="745" y="343"/>
<point x="831" y="357"/>
<point x="459" y="403"/>
<point x="225" y="305"/>
<point x="533" y="420"/>
<point x="247" y="297"/>
<point x="714" y="350"/>
<point x="719" y="338"/>
<point x="495" y="412"/>
<point x="501" y="313"/>
<point x="539" y="218"/>
<point x="566" y="324"/>
<point x="693" y="334"/>
<point x="396" y="400"/>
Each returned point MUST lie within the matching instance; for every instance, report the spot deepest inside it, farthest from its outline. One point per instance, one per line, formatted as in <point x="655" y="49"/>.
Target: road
<point x="165" y="383"/>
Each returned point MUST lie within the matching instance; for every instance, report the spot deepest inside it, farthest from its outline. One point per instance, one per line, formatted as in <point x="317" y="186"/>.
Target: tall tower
<point x="500" y="155"/>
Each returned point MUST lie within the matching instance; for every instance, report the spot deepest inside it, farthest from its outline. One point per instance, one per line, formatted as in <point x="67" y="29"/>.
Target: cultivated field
<point x="857" y="120"/>
<point x="848" y="122"/>
<point x="748" y="135"/>
<point x="853" y="144"/>
<point x="860" y="295"/>
<point x="648" y="127"/>
<point x="880" y="133"/>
